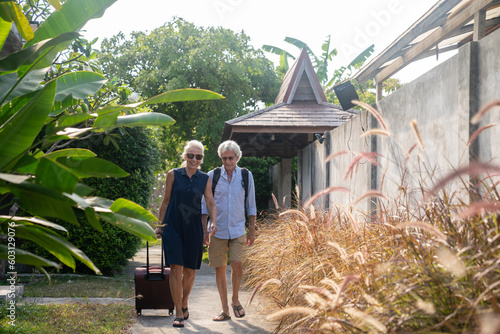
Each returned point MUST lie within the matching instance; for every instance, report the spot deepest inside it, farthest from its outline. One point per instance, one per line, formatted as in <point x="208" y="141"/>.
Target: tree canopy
<point x="182" y="55"/>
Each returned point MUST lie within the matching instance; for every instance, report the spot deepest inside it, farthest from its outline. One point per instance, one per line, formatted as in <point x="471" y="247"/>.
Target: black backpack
<point x="244" y="180"/>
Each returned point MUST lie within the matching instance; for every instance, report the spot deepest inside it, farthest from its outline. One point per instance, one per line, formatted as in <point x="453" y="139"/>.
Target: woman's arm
<point x="212" y="210"/>
<point x="166" y="199"/>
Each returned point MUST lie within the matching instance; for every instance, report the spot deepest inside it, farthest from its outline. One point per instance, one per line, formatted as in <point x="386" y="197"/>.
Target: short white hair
<point x="192" y="144"/>
<point x="229" y="145"/>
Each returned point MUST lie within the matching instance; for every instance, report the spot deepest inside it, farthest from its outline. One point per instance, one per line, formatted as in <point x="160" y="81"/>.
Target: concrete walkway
<point x="204" y="304"/>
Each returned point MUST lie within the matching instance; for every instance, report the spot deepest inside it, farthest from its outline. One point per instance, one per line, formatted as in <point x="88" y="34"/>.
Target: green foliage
<point x="109" y="249"/>
<point x="139" y="156"/>
<point x="260" y="171"/>
<point x="180" y="55"/>
<point x="39" y="10"/>
<point x="36" y="116"/>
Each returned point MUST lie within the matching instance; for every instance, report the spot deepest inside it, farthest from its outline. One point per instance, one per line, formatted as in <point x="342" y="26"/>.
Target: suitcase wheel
<point x="139" y="311"/>
<point x="171" y="311"/>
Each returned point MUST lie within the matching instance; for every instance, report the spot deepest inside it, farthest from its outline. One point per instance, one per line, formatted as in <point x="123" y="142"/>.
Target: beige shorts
<point x="218" y="248"/>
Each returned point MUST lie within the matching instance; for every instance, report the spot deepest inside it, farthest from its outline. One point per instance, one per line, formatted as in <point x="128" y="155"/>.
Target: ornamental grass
<point x="427" y="268"/>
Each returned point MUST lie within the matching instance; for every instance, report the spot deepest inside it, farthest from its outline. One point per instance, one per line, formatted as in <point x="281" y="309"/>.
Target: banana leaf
<point x="19" y="132"/>
<point x="5" y="27"/>
<point x="73" y="15"/>
<point x="178" y="95"/>
<point x="78" y="85"/>
<point x="28" y="258"/>
<point x="29" y="55"/>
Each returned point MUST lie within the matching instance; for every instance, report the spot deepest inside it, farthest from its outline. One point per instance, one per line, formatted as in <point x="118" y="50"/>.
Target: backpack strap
<point x="215" y="178"/>
<point x="244" y="180"/>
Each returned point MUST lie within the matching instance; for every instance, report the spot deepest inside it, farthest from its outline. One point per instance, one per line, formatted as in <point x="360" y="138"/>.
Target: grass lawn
<point x="80" y="317"/>
<point x="69" y="318"/>
<point x="78" y="286"/>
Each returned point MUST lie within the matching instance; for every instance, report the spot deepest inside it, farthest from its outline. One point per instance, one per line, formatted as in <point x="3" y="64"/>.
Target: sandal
<point x="178" y="322"/>
<point x="240" y="310"/>
<point x="184" y="310"/>
<point x="221" y="317"/>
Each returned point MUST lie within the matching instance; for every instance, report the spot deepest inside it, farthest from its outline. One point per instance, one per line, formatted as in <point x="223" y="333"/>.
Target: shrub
<point x="260" y="171"/>
<point x="138" y="155"/>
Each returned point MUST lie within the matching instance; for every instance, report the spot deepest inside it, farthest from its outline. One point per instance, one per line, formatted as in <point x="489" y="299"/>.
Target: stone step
<point x="8" y="292"/>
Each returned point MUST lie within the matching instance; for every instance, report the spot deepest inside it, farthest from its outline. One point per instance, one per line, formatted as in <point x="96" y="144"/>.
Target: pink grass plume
<point x="372" y="111"/>
<point x="370" y="156"/>
<point x="479" y="208"/>
<point x="324" y="192"/>
<point x="478" y="132"/>
<point x="477" y="117"/>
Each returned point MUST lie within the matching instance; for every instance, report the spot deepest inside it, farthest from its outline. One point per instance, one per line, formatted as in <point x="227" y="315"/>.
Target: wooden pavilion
<point x="299" y="116"/>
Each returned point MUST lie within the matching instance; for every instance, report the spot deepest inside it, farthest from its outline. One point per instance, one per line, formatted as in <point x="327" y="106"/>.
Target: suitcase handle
<point x="147" y="261"/>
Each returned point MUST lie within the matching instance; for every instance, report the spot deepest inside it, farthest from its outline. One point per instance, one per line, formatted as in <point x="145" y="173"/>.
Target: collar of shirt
<point x="183" y="172"/>
<point x="224" y="172"/>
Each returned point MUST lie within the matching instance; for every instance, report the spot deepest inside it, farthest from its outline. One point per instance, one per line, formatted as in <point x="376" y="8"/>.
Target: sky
<point x="352" y="24"/>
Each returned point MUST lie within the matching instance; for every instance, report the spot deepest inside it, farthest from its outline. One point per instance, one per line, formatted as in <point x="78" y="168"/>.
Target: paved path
<point x="204" y="303"/>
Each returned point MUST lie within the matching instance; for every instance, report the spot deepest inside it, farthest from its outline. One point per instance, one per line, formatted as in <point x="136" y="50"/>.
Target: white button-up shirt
<point x="230" y="202"/>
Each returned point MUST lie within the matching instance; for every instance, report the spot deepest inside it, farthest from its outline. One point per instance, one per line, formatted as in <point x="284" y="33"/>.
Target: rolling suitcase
<point x="152" y="289"/>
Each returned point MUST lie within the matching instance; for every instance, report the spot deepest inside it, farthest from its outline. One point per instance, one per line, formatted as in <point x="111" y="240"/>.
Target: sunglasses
<point x="191" y="156"/>
<point x="228" y="158"/>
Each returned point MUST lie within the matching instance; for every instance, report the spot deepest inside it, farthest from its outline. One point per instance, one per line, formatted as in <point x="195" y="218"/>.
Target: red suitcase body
<point x="152" y="289"/>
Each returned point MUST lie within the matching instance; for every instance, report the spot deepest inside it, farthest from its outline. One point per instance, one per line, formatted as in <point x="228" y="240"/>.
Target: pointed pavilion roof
<point x="299" y="112"/>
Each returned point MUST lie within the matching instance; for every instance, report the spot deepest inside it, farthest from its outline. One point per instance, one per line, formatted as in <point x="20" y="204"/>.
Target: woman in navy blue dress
<point x="183" y="232"/>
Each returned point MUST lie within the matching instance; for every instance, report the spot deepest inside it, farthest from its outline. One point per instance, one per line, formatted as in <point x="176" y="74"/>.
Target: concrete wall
<point x="489" y="90"/>
<point x="438" y="107"/>
<point x="442" y="101"/>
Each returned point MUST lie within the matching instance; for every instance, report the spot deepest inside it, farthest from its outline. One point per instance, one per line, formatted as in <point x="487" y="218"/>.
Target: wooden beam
<point x="479" y="25"/>
<point x="440" y="51"/>
<point x="379" y="89"/>
<point x="288" y="141"/>
<point x="453" y="23"/>
<point x="464" y="30"/>
<point x="470" y="27"/>
<point x="428" y="21"/>
<point x="258" y="146"/>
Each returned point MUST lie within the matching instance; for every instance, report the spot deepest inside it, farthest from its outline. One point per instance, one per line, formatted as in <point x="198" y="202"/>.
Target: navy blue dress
<point x="183" y="232"/>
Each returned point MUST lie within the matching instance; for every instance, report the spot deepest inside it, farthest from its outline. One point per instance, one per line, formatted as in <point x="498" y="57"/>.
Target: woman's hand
<point x="158" y="232"/>
<point x="206" y="238"/>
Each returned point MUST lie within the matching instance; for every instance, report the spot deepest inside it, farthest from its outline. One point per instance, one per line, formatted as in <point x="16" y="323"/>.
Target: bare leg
<point x="187" y="286"/>
<point x="236" y="277"/>
<point x="220" y="278"/>
<point x="176" y="272"/>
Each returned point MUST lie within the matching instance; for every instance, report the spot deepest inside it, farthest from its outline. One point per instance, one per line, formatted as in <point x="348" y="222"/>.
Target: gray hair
<point x="191" y="144"/>
<point x="229" y="145"/>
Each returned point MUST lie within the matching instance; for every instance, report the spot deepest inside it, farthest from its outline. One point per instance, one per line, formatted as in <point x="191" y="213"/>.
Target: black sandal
<point x="180" y="322"/>
<point x="184" y="310"/>
<point x="240" y="310"/>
